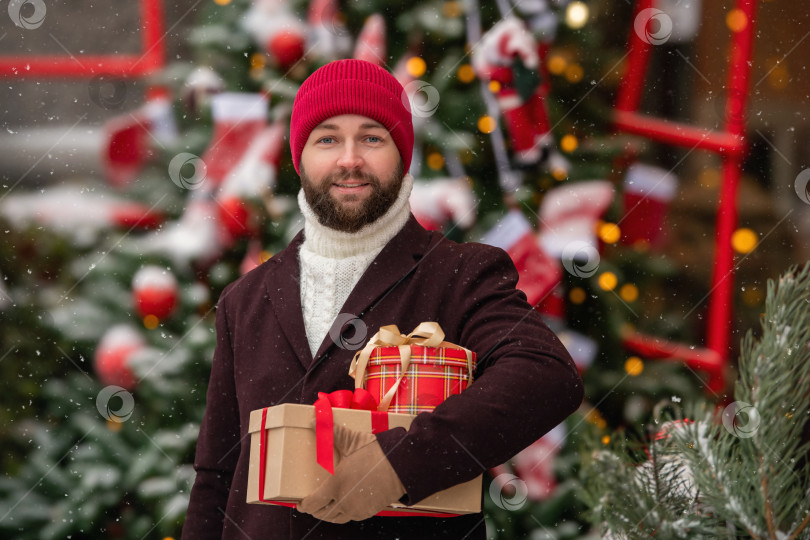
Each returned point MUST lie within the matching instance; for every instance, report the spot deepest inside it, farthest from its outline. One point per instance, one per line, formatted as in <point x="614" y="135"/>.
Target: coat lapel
<point x="392" y="264"/>
<point x="283" y="286"/>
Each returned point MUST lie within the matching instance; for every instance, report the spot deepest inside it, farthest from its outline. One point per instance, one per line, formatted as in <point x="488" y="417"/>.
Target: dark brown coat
<point x="526" y="382"/>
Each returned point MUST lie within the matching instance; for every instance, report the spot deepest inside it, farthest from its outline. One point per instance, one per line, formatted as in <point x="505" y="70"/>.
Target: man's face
<point x="351" y="171"/>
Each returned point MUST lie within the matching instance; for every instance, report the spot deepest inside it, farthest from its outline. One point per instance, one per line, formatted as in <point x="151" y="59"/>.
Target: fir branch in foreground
<point x="742" y="472"/>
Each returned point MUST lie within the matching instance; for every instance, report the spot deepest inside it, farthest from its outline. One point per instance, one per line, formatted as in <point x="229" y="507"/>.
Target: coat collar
<point x="283" y="286"/>
<point x="396" y="260"/>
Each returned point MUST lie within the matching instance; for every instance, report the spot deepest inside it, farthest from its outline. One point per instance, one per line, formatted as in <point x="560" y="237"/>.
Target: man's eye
<point x="326" y="140"/>
<point x="374" y="139"/>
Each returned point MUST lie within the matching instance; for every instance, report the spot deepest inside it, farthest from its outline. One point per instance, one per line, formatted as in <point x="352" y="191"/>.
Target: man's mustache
<point x="347" y="174"/>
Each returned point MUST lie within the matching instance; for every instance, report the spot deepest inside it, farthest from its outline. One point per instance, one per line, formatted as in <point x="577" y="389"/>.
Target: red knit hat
<point x="352" y="87"/>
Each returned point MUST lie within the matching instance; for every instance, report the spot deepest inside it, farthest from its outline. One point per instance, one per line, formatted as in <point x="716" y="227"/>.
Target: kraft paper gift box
<point x="283" y="462"/>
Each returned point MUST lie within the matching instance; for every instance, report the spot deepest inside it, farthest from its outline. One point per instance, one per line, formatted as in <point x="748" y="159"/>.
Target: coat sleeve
<point x="218" y="445"/>
<point x="526" y="384"/>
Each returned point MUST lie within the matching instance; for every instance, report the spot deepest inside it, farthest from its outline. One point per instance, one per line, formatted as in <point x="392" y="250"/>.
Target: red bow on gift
<point x="324" y="423"/>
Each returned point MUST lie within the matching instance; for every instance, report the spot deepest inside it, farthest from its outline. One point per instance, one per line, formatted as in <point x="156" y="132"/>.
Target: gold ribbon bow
<point x="427" y="334"/>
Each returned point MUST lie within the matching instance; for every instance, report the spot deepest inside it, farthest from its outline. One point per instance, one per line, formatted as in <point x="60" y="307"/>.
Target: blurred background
<point x="645" y="165"/>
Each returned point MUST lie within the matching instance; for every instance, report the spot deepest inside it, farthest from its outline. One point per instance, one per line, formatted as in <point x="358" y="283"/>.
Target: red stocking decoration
<point x="538" y="272"/>
<point x="569" y="213"/>
<point x="238" y="118"/>
<point x="435" y="203"/>
<point x="648" y="191"/>
<point x="371" y="41"/>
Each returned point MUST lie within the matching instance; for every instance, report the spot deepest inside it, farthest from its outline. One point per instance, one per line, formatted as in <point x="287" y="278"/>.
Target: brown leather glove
<point x="363" y="484"/>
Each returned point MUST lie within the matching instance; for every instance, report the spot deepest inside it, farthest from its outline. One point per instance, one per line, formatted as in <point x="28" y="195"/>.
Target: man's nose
<point x="351" y="157"/>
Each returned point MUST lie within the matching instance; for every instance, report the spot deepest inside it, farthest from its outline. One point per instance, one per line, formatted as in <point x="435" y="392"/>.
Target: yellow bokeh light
<point x="559" y="174"/>
<point x="556" y="64"/>
<point x="435" y="161"/>
<point x="494" y="87"/>
<point x="576" y="295"/>
<point x="265" y="256"/>
<point x="736" y="20"/>
<point x="608" y="281"/>
<point x="466" y="73"/>
<point x="594" y="417"/>
<point x="606" y="439"/>
<point x="452" y="9"/>
<point x="574" y="73"/>
<point x="634" y="366"/>
<point x="744" y="240"/>
<point x="569" y="143"/>
<point x="151" y="322"/>
<point x="258" y="60"/>
<point x="222" y="2"/>
<point x="486" y="124"/>
<point x="416" y="66"/>
<point x="609" y="233"/>
<point x="576" y="15"/>
<point x="629" y="292"/>
<point x="114" y="426"/>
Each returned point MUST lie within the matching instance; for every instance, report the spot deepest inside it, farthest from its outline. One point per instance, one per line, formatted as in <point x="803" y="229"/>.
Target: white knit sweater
<point x="332" y="261"/>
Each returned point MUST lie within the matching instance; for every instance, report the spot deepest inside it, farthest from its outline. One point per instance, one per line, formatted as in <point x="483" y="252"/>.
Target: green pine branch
<point x="735" y="470"/>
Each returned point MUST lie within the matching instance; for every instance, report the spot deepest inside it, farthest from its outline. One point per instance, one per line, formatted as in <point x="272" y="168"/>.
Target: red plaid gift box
<point x="414" y="373"/>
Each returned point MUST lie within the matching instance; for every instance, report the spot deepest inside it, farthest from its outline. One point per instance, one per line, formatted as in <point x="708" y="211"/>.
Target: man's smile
<point x="350" y="187"/>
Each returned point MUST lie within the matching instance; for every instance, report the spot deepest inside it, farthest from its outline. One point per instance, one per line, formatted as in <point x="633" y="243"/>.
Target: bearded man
<point x="362" y="256"/>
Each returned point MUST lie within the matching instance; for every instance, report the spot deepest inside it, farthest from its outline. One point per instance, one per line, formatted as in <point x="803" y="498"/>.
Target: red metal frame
<point x="127" y="65"/>
<point x="729" y="143"/>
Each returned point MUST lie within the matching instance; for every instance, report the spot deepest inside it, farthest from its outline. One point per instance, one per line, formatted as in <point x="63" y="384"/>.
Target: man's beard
<point x="332" y="214"/>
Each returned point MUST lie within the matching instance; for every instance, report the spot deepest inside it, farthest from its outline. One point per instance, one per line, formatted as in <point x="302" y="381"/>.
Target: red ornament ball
<point x="236" y="217"/>
<point x="287" y="47"/>
<point x="113" y="353"/>
<point x="155" y="292"/>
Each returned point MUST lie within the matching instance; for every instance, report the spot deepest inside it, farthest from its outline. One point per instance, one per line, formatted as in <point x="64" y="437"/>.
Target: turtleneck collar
<point x="335" y="244"/>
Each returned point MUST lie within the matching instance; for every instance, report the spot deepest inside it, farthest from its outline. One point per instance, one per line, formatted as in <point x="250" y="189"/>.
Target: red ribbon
<point x="360" y="399"/>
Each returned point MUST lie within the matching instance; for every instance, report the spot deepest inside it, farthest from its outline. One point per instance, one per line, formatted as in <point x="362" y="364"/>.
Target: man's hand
<point x="363" y="484"/>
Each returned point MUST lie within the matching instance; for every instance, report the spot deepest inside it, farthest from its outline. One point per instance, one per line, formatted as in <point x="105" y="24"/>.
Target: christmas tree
<point x="113" y="329"/>
<point x="739" y="471"/>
